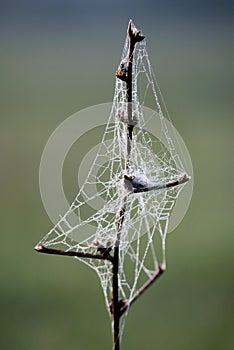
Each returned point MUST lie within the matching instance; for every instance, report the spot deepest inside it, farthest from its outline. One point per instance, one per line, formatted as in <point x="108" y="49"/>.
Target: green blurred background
<point x="58" y="57"/>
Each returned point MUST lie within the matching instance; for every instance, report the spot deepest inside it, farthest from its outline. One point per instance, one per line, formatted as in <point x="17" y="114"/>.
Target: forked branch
<point x="118" y="306"/>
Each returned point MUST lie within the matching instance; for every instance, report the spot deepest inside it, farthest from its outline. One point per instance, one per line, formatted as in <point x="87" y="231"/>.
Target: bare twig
<point x="140" y="291"/>
<point x="42" y="249"/>
<point x="175" y="182"/>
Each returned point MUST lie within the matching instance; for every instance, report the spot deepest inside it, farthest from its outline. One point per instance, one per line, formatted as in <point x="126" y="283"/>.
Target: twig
<point x="175" y="182"/>
<point x="140" y="291"/>
<point x="42" y="249"/>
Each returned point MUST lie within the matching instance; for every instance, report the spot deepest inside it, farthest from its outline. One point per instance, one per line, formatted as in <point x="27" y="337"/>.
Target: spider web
<point x="97" y="206"/>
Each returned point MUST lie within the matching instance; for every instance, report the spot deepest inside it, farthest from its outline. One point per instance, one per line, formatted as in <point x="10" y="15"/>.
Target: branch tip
<point x="39" y="248"/>
<point x="129" y="27"/>
<point x="161" y="268"/>
<point x="134" y="34"/>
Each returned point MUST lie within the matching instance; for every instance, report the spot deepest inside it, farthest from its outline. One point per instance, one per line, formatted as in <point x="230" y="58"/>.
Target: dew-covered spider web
<point x="137" y="179"/>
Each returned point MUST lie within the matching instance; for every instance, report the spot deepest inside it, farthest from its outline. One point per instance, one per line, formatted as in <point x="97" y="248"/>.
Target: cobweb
<point x="151" y="163"/>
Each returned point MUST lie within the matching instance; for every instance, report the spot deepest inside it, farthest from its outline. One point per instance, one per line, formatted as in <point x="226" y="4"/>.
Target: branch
<point x="175" y="182"/>
<point x="140" y="291"/>
<point x="124" y="73"/>
<point x="42" y="249"/>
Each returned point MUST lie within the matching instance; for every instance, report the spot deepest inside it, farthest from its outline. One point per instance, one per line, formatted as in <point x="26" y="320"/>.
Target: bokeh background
<point x="58" y="57"/>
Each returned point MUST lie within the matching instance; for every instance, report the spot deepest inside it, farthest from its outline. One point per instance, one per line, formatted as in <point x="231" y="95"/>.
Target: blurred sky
<point x="58" y="57"/>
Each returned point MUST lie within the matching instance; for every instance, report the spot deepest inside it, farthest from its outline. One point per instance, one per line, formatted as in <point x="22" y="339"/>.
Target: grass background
<point x="58" y="57"/>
